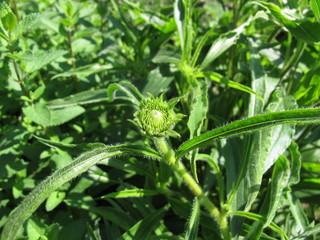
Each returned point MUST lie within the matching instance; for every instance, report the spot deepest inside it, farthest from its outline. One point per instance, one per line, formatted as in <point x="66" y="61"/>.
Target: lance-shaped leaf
<point x="143" y="228"/>
<point x="279" y="180"/>
<point x="302" y="29"/>
<point x="298" y="116"/>
<point x="226" y="40"/>
<point x="193" y="223"/>
<point x="216" y="77"/>
<point x="137" y="192"/>
<point x="58" y="178"/>
<point x="81" y="98"/>
<point x="125" y="91"/>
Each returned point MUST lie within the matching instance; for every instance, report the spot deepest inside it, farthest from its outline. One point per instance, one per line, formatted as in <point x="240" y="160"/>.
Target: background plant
<point x="63" y="68"/>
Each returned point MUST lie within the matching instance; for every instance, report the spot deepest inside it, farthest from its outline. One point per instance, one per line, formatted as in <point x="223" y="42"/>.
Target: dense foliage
<point x="233" y="155"/>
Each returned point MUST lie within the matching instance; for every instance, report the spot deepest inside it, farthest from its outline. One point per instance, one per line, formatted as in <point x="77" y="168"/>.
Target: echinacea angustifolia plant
<point x="185" y="120"/>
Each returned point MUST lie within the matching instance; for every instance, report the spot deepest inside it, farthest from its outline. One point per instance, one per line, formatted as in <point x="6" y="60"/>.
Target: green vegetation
<point x="159" y="120"/>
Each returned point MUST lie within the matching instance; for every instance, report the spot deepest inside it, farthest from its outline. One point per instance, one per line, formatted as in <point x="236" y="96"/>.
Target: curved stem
<point x="169" y="157"/>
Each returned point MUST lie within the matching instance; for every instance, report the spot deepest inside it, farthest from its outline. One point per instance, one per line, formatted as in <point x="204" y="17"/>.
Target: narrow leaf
<point x="298" y="116"/>
<point x="77" y="148"/>
<point x="58" y="178"/>
<point x="86" y="97"/>
<point x="42" y="115"/>
<point x="295" y="163"/>
<point x="221" y="79"/>
<point x="257" y="217"/>
<point x="226" y="40"/>
<point x="137" y="192"/>
<point x="315" y="7"/>
<point x="84" y="71"/>
<point x="279" y="180"/>
<point x="179" y="19"/>
<point x="193" y="223"/>
<point x="302" y="29"/>
<point x="308" y="91"/>
<point x="297" y="212"/>
<point x="129" y="92"/>
<point x="143" y="228"/>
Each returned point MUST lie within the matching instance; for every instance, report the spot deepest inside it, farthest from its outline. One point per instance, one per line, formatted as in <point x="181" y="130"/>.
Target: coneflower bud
<point x="157" y="117"/>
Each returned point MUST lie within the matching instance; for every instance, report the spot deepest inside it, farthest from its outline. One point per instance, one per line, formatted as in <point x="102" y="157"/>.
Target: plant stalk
<point x="169" y="157"/>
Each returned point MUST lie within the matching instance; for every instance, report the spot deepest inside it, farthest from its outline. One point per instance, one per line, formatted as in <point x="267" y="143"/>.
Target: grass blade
<point x="298" y="116"/>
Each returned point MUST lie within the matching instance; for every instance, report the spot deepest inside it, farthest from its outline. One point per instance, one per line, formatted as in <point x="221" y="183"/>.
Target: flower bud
<point x="157" y="117"/>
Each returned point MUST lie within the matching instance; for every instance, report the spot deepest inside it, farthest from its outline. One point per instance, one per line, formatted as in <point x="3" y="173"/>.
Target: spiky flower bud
<point x="157" y="117"/>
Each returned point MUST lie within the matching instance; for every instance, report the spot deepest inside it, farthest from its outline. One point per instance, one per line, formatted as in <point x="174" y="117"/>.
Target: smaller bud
<point x="157" y="117"/>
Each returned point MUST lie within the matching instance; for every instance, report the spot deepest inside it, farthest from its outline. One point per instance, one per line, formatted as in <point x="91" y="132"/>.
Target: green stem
<point x="16" y="69"/>
<point x="169" y="157"/>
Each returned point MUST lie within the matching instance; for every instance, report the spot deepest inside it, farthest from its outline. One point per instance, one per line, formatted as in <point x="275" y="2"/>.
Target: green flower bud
<point x="157" y="117"/>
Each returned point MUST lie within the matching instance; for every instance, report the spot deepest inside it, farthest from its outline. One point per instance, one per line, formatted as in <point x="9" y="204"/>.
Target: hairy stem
<point x="168" y="156"/>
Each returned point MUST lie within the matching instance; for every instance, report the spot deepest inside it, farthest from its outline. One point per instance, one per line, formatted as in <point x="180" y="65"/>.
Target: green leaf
<point x="295" y="163"/>
<point x="157" y="83"/>
<point x="77" y="148"/>
<point x="226" y="40"/>
<point x="143" y="228"/>
<point x="179" y="19"/>
<point x="33" y="61"/>
<point x="221" y="79"/>
<point x="193" y="222"/>
<point x="35" y="230"/>
<point x="60" y="116"/>
<point x="82" y="98"/>
<point x="4" y="9"/>
<point x="58" y="178"/>
<point x="257" y="217"/>
<point x="298" y="116"/>
<point x="302" y="29"/>
<point x="261" y="149"/>
<point x="86" y="32"/>
<point x="74" y="149"/>
<point x="137" y="192"/>
<point x="38" y="113"/>
<point x="308" y="91"/>
<point x="129" y="93"/>
<point x="297" y="212"/>
<point x="42" y="115"/>
<point x="199" y="108"/>
<point x="38" y="92"/>
<point x="24" y="25"/>
<point x="279" y="180"/>
<point x="54" y="200"/>
<point x="9" y="22"/>
<point x="214" y="165"/>
<point x="310" y="231"/>
<point x="83" y="71"/>
<point x="198" y="114"/>
<point x="315" y="7"/>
